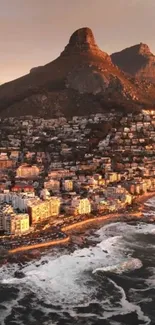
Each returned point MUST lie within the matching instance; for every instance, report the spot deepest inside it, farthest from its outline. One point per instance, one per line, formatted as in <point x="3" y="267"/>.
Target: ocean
<point x="63" y="287"/>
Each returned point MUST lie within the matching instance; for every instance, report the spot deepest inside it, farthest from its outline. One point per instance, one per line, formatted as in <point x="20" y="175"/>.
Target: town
<point x="54" y="172"/>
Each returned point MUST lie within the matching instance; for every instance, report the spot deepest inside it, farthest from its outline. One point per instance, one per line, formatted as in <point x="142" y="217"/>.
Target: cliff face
<point x="81" y="80"/>
<point x="136" y="60"/>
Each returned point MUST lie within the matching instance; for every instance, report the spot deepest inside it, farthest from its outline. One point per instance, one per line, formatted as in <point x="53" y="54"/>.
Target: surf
<point x="126" y="266"/>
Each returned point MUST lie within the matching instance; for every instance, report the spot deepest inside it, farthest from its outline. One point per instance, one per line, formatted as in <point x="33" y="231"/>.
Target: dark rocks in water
<point x="19" y="274"/>
<point x="44" y="262"/>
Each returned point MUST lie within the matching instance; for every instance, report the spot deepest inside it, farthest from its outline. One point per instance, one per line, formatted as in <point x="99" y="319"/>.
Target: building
<point x="21" y="201"/>
<point x="17" y="200"/>
<point x="12" y="223"/>
<point x="41" y="210"/>
<point x="67" y="185"/>
<point x="60" y="173"/>
<point x="54" y="203"/>
<point x="44" y="194"/>
<point x="26" y="171"/>
<point x="22" y="188"/>
<point x="14" y="155"/>
<point x="112" y="177"/>
<point x="15" y="224"/>
<point x="80" y="206"/>
<point x="1" y="220"/>
<point x="53" y="185"/>
<point x="6" y="164"/>
<point x="106" y="164"/>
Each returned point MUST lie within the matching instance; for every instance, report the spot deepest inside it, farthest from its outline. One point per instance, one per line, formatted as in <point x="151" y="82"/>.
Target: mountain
<point x="82" y="80"/>
<point x="136" y="60"/>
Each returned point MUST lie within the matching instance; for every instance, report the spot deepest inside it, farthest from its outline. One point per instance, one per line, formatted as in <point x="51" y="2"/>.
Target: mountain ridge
<point x="82" y="78"/>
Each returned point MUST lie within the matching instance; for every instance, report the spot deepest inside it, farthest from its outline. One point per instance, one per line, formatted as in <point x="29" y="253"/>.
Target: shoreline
<point x="126" y="216"/>
<point x="41" y="245"/>
<point x="144" y="197"/>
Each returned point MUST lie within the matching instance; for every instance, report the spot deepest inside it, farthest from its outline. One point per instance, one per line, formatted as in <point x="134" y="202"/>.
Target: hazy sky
<point x="34" y="32"/>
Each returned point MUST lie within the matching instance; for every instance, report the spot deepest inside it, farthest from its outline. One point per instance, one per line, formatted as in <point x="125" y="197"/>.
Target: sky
<point x="34" y="32"/>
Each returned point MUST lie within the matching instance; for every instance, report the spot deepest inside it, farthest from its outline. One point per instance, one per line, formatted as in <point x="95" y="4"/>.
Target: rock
<point x="83" y="40"/>
<point x="19" y="275"/>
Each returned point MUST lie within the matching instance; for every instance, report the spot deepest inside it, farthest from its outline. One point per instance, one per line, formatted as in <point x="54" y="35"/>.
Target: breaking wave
<point x="126" y="266"/>
<point x="62" y="286"/>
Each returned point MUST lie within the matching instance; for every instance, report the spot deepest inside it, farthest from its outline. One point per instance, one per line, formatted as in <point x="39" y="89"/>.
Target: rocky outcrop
<point x="136" y="60"/>
<point x="35" y="69"/>
<point x="81" y="80"/>
<point x="83" y="41"/>
<point x="87" y="79"/>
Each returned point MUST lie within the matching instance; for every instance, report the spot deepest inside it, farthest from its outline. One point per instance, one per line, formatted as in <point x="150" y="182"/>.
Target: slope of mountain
<point x="136" y="60"/>
<point x="81" y="80"/>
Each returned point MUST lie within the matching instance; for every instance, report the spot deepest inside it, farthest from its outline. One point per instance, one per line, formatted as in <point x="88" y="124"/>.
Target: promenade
<point x="108" y="217"/>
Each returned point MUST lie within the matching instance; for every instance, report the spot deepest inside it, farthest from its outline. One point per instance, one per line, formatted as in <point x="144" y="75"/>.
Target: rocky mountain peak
<point x="82" y="37"/>
<point x="83" y="41"/>
<point x="136" y="60"/>
<point x="135" y="50"/>
<point x="142" y="49"/>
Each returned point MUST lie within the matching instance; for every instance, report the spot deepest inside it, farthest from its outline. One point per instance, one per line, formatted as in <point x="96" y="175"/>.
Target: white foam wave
<point x="124" y="230"/>
<point x="65" y="279"/>
<point x="126" y="266"/>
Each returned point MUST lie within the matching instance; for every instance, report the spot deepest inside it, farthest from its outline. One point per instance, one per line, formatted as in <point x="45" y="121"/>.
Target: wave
<point x="125" y="231"/>
<point x="126" y="266"/>
<point x="66" y="278"/>
<point x="128" y="306"/>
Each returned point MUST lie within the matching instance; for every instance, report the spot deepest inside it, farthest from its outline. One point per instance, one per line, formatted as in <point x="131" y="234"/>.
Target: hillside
<point x="82" y="80"/>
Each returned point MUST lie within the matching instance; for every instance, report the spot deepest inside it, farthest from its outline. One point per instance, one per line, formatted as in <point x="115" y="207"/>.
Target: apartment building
<point x="80" y="206"/>
<point x="41" y="210"/>
<point x="26" y="171"/>
<point x="15" y="224"/>
<point x="12" y="223"/>
<point x="17" y="200"/>
<point x="67" y="185"/>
